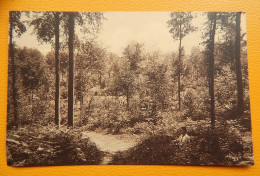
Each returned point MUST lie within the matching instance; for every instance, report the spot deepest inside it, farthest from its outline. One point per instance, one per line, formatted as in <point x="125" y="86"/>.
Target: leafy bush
<point x="195" y="103"/>
<point x="205" y="147"/>
<point x="109" y="114"/>
<point x="33" y="146"/>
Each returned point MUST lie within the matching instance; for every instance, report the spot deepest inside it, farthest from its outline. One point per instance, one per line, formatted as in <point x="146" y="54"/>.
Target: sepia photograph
<point x="128" y="88"/>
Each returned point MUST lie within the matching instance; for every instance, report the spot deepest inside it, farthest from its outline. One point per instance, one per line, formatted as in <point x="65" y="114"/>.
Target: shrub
<point x="221" y="147"/>
<point x="34" y="146"/>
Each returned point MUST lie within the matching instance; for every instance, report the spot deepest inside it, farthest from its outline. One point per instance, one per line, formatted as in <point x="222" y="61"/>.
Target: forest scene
<point x="128" y="88"/>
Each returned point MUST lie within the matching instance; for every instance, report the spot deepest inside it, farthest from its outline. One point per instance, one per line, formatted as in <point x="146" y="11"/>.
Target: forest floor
<point x="111" y="144"/>
<point x="46" y="145"/>
<point x="125" y="146"/>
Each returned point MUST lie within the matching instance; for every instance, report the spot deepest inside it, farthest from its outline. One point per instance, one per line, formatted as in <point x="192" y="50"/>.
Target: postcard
<point x="128" y="88"/>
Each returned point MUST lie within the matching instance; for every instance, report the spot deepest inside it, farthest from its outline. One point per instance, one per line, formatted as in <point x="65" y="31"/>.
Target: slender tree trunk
<point x="100" y="79"/>
<point x="81" y="95"/>
<point x="240" y="103"/>
<point x="71" y="69"/>
<point x="57" y="69"/>
<point x="179" y="73"/>
<point x="211" y="71"/>
<point x="81" y="107"/>
<point x="89" y="106"/>
<point x="11" y="55"/>
<point x="31" y="104"/>
<point x="127" y="98"/>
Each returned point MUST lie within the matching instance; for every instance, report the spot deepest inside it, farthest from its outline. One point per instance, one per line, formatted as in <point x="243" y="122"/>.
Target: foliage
<point x="157" y="84"/>
<point x="31" y="68"/>
<point x="88" y="22"/>
<point x="89" y="64"/>
<point x="44" y="22"/>
<point x="180" y="24"/>
<point x="47" y="145"/>
<point x="17" y="24"/>
<point x="222" y="147"/>
<point x="33" y="87"/>
<point x="44" y="25"/>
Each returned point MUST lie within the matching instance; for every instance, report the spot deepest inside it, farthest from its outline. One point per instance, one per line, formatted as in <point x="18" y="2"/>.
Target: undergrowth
<point x="204" y="147"/>
<point x="35" y="146"/>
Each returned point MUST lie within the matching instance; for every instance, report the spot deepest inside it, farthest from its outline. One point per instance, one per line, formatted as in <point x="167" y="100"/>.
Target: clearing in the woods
<point x="111" y="144"/>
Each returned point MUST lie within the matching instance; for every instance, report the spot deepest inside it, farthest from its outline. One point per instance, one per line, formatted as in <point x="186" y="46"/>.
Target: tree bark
<point x="127" y="98"/>
<point x="211" y="71"/>
<point x="100" y="79"/>
<point x="11" y="55"/>
<point x="71" y="69"/>
<point x="81" y="93"/>
<point x="31" y="104"/>
<point x="240" y="100"/>
<point x="179" y="73"/>
<point x="57" y="69"/>
<point x="81" y="108"/>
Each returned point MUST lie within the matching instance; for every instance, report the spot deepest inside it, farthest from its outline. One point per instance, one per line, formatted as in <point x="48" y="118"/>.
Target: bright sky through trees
<point x="121" y="28"/>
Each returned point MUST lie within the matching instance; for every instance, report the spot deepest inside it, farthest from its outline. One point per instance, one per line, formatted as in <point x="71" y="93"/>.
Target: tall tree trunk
<point x="179" y="73"/>
<point x="240" y="100"/>
<point x="31" y="104"/>
<point x="81" y="94"/>
<point x="71" y="69"/>
<point x="81" y="107"/>
<point x="211" y="71"/>
<point x="127" y="98"/>
<point x="89" y="106"/>
<point x="100" y="79"/>
<point x="11" y="55"/>
<point x="57" y="68"/>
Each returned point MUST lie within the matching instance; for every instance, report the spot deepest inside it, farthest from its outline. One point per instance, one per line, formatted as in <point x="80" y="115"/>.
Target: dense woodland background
<point x="181" y="108"/>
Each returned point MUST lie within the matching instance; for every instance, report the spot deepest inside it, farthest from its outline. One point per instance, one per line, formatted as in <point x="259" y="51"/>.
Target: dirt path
<point x="110" y="144"/>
